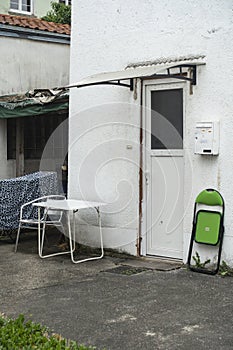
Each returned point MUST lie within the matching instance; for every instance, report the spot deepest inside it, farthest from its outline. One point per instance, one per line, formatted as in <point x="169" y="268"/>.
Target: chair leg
<point x="17" y="238"/>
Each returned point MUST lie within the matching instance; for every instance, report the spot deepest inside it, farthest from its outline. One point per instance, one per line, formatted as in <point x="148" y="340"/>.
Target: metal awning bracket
<point x="181" y="74"/>
<point x="131" y="85"/>
<point x="110" y="82"/>
<point x="192" y="69"/>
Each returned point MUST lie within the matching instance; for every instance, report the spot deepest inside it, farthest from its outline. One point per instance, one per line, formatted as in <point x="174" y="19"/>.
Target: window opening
<point x="167" y="119"/>
<point x="37" y="131"/>
<point x="21" y="5"/>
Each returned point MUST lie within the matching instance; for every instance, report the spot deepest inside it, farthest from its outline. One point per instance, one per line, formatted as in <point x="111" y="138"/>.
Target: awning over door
<point x="184" y="69"/>
<point x="36" y="102"/>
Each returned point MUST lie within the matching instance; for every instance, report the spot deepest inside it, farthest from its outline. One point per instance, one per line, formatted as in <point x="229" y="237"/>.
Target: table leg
<point x="101" y="240"/>
<point x="70" y="234"/>
<point x="101" y="235"/>
<point x="74" y="241"/>
<point x="39" y="238"/>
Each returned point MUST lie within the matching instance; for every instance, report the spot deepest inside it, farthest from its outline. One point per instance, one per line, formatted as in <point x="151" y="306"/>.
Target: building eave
<point x="33" y="34"/>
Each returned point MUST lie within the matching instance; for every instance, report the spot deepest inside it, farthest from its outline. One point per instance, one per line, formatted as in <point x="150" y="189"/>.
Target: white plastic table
<point x="69" y="206"/>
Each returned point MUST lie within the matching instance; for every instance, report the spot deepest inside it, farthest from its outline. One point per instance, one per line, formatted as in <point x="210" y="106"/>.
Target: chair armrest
<point x="38" y="200"/>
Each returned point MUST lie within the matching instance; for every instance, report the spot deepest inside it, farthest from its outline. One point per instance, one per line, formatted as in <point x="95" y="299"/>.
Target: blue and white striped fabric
<point x="18" y="191"/>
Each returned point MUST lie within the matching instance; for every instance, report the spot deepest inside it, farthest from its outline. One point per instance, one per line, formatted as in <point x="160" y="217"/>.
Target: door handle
<point x="147" y="176"/>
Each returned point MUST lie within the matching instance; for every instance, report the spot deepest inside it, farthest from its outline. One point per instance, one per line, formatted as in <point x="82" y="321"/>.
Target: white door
<point x="164" y="170"/>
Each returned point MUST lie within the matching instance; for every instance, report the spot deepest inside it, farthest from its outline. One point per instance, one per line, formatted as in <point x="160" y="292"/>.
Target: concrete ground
<point x="163" y="307"/>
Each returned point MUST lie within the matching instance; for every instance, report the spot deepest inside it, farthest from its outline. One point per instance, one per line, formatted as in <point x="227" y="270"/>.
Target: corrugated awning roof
<point x="142" y="71"/>
<point x="168" y="60"/>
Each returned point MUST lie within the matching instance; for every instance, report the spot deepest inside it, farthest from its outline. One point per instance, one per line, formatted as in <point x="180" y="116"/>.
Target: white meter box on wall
<point x="207" y="138"/>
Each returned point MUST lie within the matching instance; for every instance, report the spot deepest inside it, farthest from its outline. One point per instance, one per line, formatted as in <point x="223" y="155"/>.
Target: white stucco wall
<point x="113" y="34"/>
<point x="27" y="65"/>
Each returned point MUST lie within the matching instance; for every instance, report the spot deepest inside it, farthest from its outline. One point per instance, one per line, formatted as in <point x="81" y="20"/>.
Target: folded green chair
<point x="208" y="227"/>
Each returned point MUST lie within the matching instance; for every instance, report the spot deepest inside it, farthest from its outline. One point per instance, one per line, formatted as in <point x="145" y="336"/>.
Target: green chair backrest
<point x="209" y="197"/>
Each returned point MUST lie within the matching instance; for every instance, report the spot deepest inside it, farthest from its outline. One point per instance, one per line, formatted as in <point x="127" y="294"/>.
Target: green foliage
<point x="198" y="263"/>
<point x="60" y="13"/>
<point x="225" y="270"/>
<point x="20" y="335"/>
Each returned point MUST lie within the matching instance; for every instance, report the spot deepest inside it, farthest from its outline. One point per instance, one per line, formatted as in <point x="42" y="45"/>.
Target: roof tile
<point x="35" y="23"/>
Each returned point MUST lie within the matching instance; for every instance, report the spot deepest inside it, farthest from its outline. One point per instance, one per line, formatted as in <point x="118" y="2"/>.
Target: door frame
<point x="146" y="201"/>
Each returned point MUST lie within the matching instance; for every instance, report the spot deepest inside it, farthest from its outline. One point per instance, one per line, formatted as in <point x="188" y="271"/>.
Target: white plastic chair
<point x="48" y="219"/>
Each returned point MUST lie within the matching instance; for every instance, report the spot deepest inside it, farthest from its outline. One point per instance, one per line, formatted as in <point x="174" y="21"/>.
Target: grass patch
<point x="17" y="334"/>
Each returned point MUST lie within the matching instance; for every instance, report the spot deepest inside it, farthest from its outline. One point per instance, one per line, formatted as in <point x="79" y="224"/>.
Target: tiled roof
<point x="35" y="23"/>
